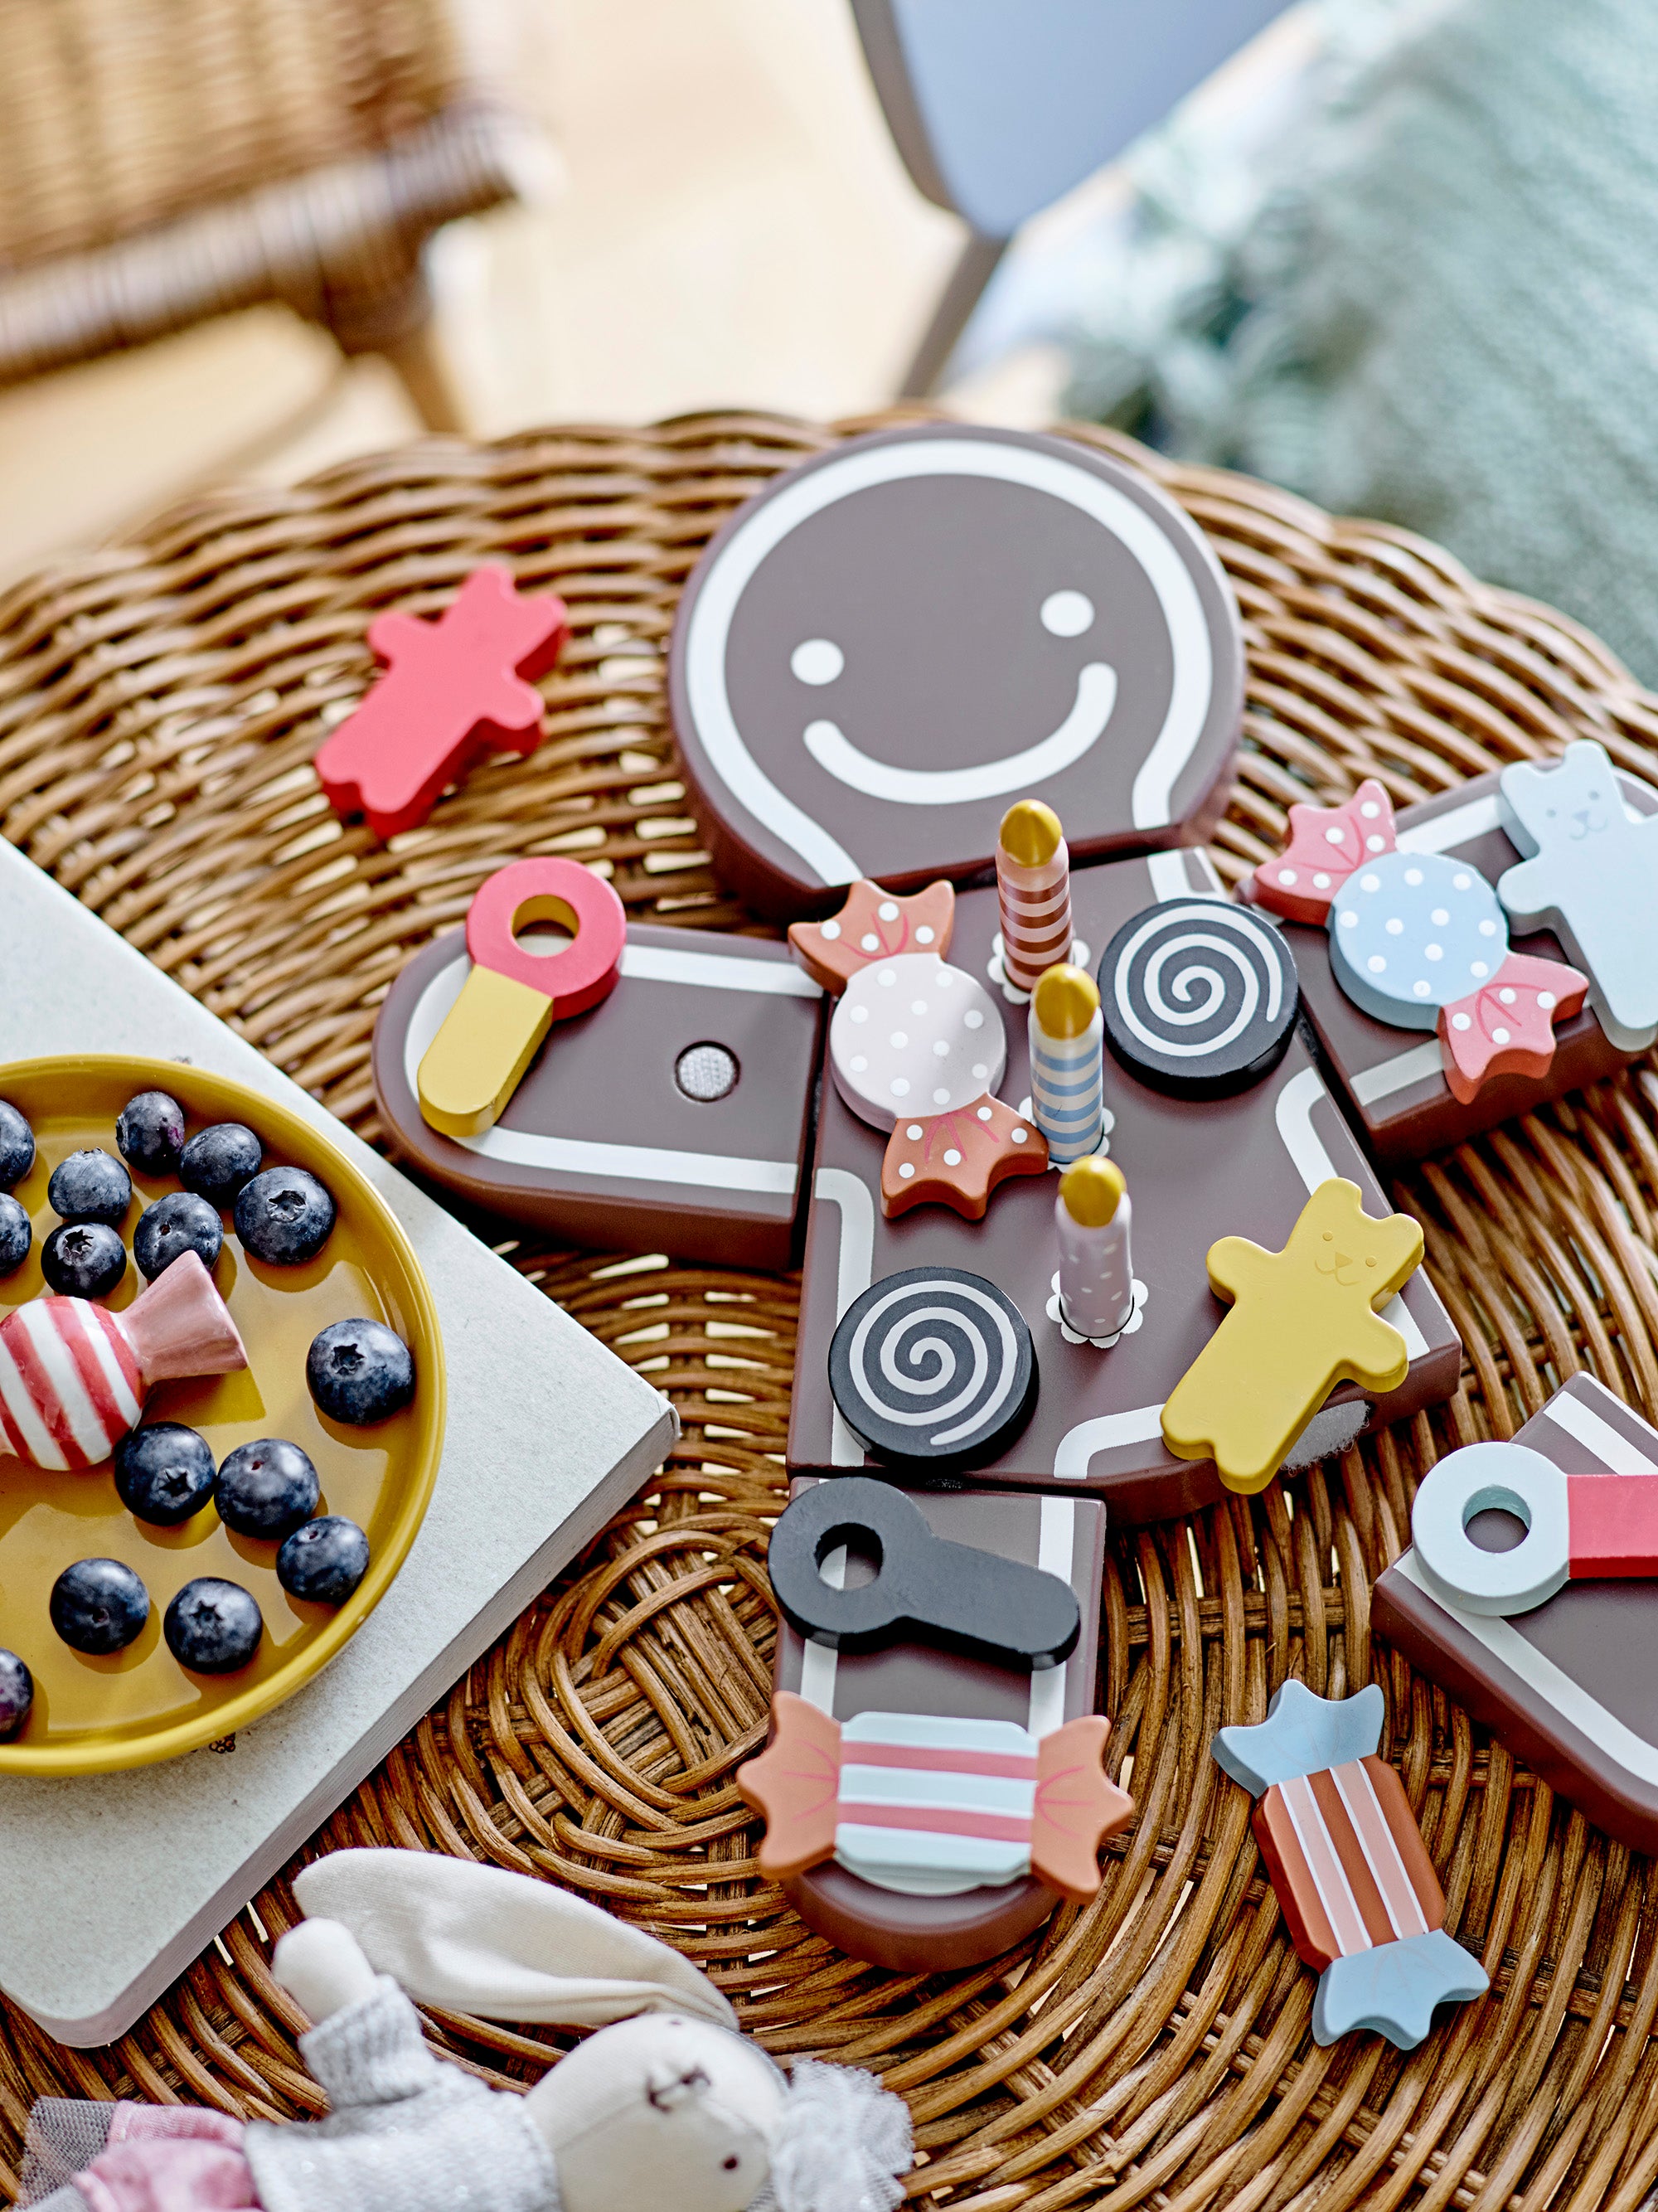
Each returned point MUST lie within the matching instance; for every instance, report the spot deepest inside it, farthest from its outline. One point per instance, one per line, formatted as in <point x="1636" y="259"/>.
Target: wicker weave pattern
<point x="173" y="104"/>
<point x="158" y="707"/>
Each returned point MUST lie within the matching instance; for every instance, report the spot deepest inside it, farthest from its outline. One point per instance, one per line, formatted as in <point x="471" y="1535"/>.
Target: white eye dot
<point x="1067" y="614"/>
<point x="817" y="661"/>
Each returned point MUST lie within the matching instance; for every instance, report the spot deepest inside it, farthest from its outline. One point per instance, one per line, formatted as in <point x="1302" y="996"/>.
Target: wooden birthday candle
<point x="1033" y="884"/>
<point x="1096" y="1272"/>
<point x="1067" y="1057"/>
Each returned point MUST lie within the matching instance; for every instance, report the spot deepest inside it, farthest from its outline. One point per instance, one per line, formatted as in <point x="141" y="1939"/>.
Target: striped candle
<point x="1096" y="1270"/>
<point x="1067" y="1064"/>
<point x="1033" y="883"/>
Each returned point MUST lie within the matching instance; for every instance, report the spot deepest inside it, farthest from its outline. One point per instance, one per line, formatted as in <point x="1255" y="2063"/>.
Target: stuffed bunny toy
<point x="666" y="2105"/>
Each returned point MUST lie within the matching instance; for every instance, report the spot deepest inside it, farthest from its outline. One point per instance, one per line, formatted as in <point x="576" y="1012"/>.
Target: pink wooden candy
<point x="74" y="1375"/>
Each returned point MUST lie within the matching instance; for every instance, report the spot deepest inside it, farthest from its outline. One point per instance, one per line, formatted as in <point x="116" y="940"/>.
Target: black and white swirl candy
<point x="1199" y="997"/>
<point x="933" y="1369"/>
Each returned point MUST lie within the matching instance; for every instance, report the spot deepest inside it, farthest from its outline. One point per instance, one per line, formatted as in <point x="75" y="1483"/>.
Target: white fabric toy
<point x="669" y="2106"/>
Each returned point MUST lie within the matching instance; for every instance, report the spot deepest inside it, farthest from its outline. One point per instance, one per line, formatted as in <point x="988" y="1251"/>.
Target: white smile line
<point x="1096" y="695"/>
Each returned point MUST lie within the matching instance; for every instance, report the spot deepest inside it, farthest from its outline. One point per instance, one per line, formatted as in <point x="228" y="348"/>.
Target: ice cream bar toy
<point x="512" y="996"/>
<point x="1578" y="1528"/>
<point x="1359" y="1894"/>
<point x="963" y="1802"/>
<point x="74" y="1375"/>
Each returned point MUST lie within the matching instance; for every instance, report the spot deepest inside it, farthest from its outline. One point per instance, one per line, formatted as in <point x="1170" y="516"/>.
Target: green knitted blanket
<point x="1449" y="318"/>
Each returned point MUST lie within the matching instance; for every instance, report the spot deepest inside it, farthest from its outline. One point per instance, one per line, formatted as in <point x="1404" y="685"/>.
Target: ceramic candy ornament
<point x="1359" y="1894"/>
<point x="667" y="2105"/>
<point x="1591" y="875"/>
<point x="74" y="1375"/>
<point x="1419" y="940"/>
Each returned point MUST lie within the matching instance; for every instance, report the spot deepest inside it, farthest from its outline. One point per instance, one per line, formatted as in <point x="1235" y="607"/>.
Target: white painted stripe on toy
<point x="634" y="1163"/>
<point x="718" y="971"/>
<point x="1475" y="817"/>
<point x="1061" y="749"/>
<point x="126" y="1404"/>
<point x="854" y="1271"/>
<point x="1056" y="1547"/>
<point x="938" y="1732"/>
<point x="1556" y="1689"/>
<point x="1417" y="1065"/>
<point x="819" y="1661"/>
<point x="1105" y="1432"/>
<point x="1609" y="1445"/>
<point x="921" y="1862"/>
<point x="26" y="1415"/>
<point x="920" y="1789"/>
<point x="1293" y="1114"/>
<point x="1324" y="1864"/>
<point x="85" y="1424"/>
<point x="1379" y="1845"/>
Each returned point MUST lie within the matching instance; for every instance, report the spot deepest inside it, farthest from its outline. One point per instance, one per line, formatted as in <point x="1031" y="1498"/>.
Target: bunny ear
<point x="502" y="1946"/>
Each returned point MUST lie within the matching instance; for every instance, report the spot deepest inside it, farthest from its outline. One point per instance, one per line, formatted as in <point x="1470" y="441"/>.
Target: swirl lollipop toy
<point x="74" y="1375"/>
<point x="1199" y="997"/>
<point x="1420" y="941"/>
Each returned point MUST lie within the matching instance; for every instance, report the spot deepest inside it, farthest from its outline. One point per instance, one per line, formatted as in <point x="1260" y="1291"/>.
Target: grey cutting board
<point x="110" y="1885"/>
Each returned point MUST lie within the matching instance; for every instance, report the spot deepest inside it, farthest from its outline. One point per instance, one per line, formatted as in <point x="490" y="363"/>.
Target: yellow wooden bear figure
<point x="1303" y="1319"/>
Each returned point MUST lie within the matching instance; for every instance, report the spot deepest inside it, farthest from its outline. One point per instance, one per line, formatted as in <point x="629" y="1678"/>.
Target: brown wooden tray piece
<point x="159" y="705"/>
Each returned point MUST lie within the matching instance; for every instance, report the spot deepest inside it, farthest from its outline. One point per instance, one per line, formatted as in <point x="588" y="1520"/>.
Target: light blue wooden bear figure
<point x="1591" y="876"/>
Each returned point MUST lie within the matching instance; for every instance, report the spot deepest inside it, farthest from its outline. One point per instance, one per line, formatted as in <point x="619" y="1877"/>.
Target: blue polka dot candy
<point x="1411" y="934"/>
<point x="1419" y="940"/>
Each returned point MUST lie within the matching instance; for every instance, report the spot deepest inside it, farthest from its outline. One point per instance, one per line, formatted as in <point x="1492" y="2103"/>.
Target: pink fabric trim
<point x="170" y="2158"/>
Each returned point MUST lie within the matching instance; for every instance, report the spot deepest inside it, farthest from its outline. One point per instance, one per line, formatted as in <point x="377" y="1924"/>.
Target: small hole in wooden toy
<point x="545" y="926"/>
<point x="859" y="1559"/>
<point x="1494" y="1529"/>
<point x="705" y="1071"/>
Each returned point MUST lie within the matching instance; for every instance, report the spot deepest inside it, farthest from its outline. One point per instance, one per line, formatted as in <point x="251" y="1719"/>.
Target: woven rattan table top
<point x="159" y="705"/>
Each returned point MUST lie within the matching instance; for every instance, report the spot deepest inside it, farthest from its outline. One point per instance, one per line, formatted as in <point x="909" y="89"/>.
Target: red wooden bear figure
<point x="454" y="689"/>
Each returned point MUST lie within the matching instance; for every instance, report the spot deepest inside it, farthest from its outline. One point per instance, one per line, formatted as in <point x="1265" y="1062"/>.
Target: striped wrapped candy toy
<point x="1359" y="1894"/>
<point x="74" y="1375"/>
<point x="934" y="1805"/>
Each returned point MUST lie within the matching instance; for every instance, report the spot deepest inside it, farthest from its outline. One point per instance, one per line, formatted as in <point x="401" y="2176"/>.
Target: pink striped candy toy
<point x="74" y="1375"/>
<point x="1360" y="1897"/>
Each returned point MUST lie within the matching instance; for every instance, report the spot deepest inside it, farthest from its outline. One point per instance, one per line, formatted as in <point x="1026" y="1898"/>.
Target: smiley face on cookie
<point x="892" y="642"/>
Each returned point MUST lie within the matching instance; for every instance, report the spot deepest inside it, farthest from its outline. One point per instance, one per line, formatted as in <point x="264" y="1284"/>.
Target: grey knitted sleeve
<point x="406" y="2131"/>
<point x="372" y="2052"/>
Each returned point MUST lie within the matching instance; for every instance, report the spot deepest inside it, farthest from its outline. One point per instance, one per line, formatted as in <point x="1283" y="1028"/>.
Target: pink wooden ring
<point x="580" y="974"/>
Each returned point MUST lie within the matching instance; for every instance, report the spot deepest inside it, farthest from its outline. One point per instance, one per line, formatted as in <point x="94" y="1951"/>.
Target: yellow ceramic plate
<point x="91" y="1715"/>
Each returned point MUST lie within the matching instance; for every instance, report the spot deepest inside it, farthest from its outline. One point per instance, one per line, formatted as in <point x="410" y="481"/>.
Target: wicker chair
<point x="162" y="161"/>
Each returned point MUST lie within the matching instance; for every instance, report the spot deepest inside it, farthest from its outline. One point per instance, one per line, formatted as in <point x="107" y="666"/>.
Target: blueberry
<point x="267" y="1489"/>
<point x="16" y="1235"/>
<point x="284" y="1217"/>
<point x="90" y="1186"/>
<point x="219" y="1160"/>
<point x="150" y="1132"/>
<point x="83" y="1260"/>
<point x="360" y="1372"/>
<point x="323" y="1562"/>
<point x="16" y="1146"/>
<point x="99" y="1605"/>
<point x="16" y="1694"/>
<point x="180" y="1222"/>
<point x="212" y="1627"/>
<point x="164" y="1473"/>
